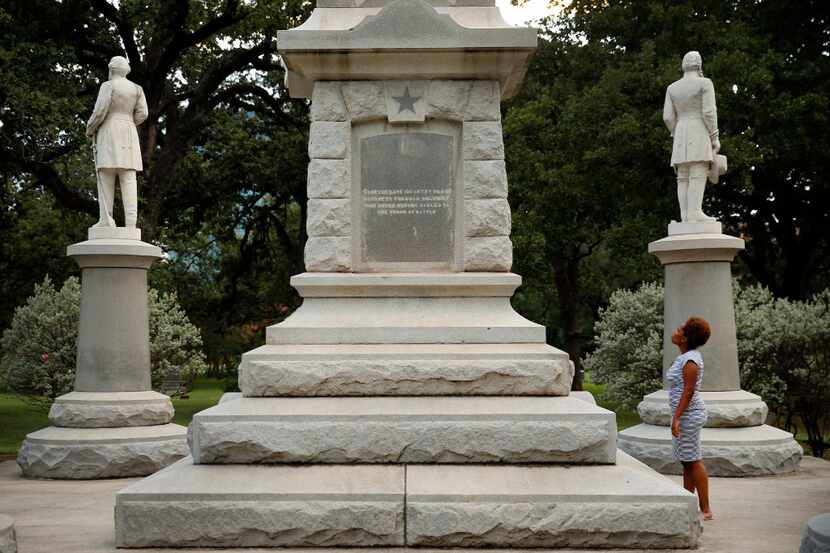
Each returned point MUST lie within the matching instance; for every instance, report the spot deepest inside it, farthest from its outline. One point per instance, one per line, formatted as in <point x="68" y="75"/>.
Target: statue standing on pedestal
<point x="692" y="118"/>
<point x="120" y="107"/>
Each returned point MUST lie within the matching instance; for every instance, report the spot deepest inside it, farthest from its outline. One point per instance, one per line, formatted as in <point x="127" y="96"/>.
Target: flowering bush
<point x="629" y="341"/>
<point x="39" y="349"/>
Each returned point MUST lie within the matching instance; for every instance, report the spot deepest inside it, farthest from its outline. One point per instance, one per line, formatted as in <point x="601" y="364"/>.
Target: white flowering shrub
<point x="629" y="341"/>
<point x="39" y="349"/>
<point x="784" y="348"/>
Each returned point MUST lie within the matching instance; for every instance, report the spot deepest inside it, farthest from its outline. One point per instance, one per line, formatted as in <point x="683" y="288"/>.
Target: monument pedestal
<point x="317" y="453"/>
<point x="735" y="441"/>
<point x="112" y="424"/>
<point x="422" y="410"/>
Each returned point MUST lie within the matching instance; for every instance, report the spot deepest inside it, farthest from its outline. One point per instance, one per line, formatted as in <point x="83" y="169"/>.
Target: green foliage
<point x="175" y="344"/>
<point x="628" y="357"/>
<point x="783" y="348"/>
<point x="39" y="349"/>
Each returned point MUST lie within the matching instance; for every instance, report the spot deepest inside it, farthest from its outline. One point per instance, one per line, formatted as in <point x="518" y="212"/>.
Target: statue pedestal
<point x="735" y="441"/>
<point x="112" y="424"/>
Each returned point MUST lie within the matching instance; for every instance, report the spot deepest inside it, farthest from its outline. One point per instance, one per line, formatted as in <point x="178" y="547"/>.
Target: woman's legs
<point x="701" y="483"/>
<point x="695" y="479"/>
<point x="688" y="481"/>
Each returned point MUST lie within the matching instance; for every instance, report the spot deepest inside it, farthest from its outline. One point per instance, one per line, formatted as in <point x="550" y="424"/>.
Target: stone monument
<point x="697" y="258"/>
<point x="406" y="403"/>
<point x="112" y="424"/>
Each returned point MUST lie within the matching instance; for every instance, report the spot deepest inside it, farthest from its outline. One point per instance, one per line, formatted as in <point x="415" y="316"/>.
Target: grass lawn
<point x="18" y="418"/>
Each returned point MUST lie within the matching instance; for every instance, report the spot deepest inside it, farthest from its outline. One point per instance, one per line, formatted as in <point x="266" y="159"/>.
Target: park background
<point x="224" y="188"/>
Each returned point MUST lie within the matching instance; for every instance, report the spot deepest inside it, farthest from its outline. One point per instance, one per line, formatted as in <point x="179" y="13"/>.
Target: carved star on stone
<point x="406" y="101"/>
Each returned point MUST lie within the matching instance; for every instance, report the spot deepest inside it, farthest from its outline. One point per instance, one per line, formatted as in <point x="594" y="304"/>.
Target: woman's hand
<point x="675" y="428"/>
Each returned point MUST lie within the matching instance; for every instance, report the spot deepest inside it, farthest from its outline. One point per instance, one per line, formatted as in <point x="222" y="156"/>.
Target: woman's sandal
<point x="708" y="516"/>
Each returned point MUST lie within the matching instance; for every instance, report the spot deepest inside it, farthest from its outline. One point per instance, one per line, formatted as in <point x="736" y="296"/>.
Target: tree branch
<point x="125" y="31"/>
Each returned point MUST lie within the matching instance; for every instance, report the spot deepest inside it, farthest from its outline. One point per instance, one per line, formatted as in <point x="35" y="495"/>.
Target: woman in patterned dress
<point x="687" y="407"/>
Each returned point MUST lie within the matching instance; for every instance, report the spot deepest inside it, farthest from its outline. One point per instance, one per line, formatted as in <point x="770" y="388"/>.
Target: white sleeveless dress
<point x="686" y="447"/>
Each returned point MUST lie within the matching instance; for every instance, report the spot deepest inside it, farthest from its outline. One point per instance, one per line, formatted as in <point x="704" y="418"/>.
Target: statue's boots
<point x="697" y="186"/>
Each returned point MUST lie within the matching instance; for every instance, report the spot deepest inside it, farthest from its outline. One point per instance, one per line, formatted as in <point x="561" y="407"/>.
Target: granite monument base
<point x="623" y="505"/>
<point x="90" y="453"/>
<point x="750" y="451"/>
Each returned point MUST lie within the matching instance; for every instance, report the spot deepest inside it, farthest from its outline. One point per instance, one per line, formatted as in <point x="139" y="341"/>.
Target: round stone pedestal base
<point x="726" y="409"/>
<point x="817" y="535"/>
<point x="90" y="453"/>
<point x="8" y="540"/>
<point x="111" y="409"/>
<point x="751" y="451"/>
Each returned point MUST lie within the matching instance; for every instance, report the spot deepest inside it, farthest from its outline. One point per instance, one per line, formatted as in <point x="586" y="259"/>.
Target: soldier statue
<point x="119" y="108"/>
<point x="692" y="118"/>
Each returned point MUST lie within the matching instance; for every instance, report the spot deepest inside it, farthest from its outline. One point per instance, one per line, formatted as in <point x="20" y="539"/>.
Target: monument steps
<point x="489" y="429"/>
<point x="404" y="370"/>
<point x="621" y="505"/>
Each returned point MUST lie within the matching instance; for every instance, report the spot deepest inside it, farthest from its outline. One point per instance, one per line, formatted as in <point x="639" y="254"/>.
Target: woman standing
<point x="688" y="410"/>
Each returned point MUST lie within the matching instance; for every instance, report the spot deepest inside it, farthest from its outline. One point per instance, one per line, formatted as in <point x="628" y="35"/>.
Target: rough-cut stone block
<point x="327" y="102"/>
<point x="89" y="453"/>
<point x="329" y="178"/>
<point x="751" y="451"/>
<point x="405" y="370"/>
<point x="405" y="320"/>
<point x="328" y="140"/>
<point x="191" y="505"/>
<point x="491" y="253"/>
<point x="328" y="254"/>
<point x="329" y="217"/>
<point x="448" y="99"/>
<point x="365" y="99"/>
<point x="487" y="217"/>
<point x="111" y="409"/>
<point x="621" y="506"/>
<point x="816" y="538"/>
<point x="404" y="430"/>
<point x="483" y="140"/>
<point x="484" y="103"/>
<point x="8" y="539"/>
<point x="485" y="179"/>
<point x="726" y="409"/>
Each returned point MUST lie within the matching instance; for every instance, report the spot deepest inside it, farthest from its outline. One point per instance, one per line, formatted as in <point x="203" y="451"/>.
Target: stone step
<point x="468" y="429"/>
<point x="602" y="506"/>
<point x="89" y="453"/>
<point x="406" y="308"/>
<point x="405" y="369"/>
<point x="111" y="409"/>
<point x="189" y="505"/>
<point x="750" y="451"/>
<point x="625" y="505"/>
<point x="726" y="409"/>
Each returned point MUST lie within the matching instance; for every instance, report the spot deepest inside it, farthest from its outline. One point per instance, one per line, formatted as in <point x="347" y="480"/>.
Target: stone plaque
<point x="407" y="201"/>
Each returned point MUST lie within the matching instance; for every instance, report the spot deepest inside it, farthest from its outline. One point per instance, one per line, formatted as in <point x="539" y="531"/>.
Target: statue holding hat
<point x="119" y="108"/>
<point x="691" y="115"/>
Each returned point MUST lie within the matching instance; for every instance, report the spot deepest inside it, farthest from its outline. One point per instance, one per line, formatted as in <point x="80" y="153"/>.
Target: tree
<point x="191" y="58"/>
<point x="224" y="151"/>
<point x="588" y="154"/>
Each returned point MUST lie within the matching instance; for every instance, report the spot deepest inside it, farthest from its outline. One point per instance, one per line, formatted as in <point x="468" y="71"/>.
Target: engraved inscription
<point x="407" y="199"/>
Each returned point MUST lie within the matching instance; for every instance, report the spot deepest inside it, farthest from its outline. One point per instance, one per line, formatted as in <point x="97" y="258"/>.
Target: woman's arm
<point x="690" y="372"/>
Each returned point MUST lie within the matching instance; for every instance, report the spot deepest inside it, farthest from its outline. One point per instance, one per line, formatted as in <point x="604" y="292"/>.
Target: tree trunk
<point x="565" y="275"/>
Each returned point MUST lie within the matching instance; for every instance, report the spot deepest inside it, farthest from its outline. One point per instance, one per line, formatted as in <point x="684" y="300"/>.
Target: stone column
<point x="735" y="441"/>
<point x="113" y="424"/>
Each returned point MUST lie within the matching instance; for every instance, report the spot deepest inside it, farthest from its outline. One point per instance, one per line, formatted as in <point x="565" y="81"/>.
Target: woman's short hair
<point x="697" y="332"/>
